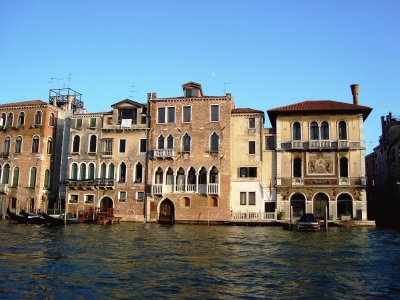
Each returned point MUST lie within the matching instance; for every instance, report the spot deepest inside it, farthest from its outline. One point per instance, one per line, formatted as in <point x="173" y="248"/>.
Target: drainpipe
<point x="146" y="169"/>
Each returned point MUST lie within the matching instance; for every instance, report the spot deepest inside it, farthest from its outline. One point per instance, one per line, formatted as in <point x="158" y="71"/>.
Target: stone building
<point x="107" y="161"/>
<point x="189" y="169"/>
<point x="27" y="139"/>
<point x="320" y="158"/>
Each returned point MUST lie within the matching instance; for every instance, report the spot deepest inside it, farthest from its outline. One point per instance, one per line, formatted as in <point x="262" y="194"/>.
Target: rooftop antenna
<point x="69" y="78"/>
<point x="55" y="78"/>
<point x="225" y="84"/>
<point x="132" y="91"/>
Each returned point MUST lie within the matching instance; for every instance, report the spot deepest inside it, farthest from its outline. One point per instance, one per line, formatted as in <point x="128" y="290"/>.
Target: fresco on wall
<point x="320" y="163"/>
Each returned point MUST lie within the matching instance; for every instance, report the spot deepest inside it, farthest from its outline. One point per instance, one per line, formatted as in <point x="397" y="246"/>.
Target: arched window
<point x="38" y="118"/>
<point x="10" y="119"/>
<point x="18" y="144"/>
<point x="91" y="171"/>
<point x="203" y="176"/>
<point x="46" y="183"/>
<point x="296" y="131"/>
<point x="297" y="167"/>
<point x="170" y="142"/>
<point x="169" y="178"/>
<point x="35" y="144"/>
<point x="15" y="180"/>
<point x="342" y="130"/>
<point x="74" y="171"/>
<point x="6" y="174"/>
<point x="161" y="142"/>
<point x="82" y="172"/>
<point x="186" y="143"/>
<point x="21" y="119"/>
<point x="0" y="170"/>
<point x="49" y="145"/>
<point x="111" y="171"/>
<point x="122" y="172"/>
<point x="344" y="205"/>
<point x="159" y="176"/>
<point x="344" y="167"/>
<point x="192" y="176"/>
<point x="32" y="177"/>
<point x="324" y="131"/>
<point x="180" y="180"/>
<point x="214" y="142"/>
<point x="3" y="119"/>
<point x="7" y="143"/>
<point x="214" y="175"/>
<point x="138" y="173"/>
<point x="103" y="171"/>
<point x="93" y="144"/>
<point x="314" y="131"/>
<point x="51" y="120"/>
<point x="76" y="144"/>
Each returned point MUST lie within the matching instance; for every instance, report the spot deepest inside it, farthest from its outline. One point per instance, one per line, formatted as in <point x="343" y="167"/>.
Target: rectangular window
<point x="122" y="144"/>
<point x="171" y="114"/>
<point x="122" y="197"/>
<point x="246" y="172"/>
<point x="78" y="123"/>
<point x="73" y="199"/>
<point x="89" y="199"/>
<point x="13" y="203"/>
<point x="252" y="123"/>
<point x="243" y="197"/>
<point x="214" y="113"/>
<point x="187" y="114"/>
<point x="161" y="115"/>
<point x="269" y="143"/>
<point x="143" y="119"/>
<point x="92" y="123"/>
<point x="107" y="146"/>
<point x="252" y="198"/>
<point x="143" y="146"/>
<point x="252" y="147"/>
<point x="140" y="196"/>
<point x="127" y="114"/>
<point x="109" y="121"/>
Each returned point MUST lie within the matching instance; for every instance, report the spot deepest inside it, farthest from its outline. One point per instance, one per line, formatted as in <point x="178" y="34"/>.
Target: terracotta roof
<point x="246" y="111"/>
<point x="320" y="107"/>
<point x="24" y="103"/>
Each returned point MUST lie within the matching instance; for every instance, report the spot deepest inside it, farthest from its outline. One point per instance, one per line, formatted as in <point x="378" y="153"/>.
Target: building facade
<point x="320" y="159"/>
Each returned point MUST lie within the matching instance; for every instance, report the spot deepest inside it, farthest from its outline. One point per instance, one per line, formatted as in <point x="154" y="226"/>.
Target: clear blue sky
<point x="273" y="53"/>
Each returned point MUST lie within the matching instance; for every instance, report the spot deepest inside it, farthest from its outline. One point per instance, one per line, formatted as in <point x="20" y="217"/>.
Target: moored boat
<point x="16" y="217"/>
<point x="33" y="218"/>
<point x="68" y="219"/>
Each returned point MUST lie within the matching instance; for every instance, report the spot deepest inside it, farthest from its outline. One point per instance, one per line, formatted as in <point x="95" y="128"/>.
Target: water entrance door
<point x="167" y="212"/>
<point x="105" y="204"/>
<point x="320" y="203"/>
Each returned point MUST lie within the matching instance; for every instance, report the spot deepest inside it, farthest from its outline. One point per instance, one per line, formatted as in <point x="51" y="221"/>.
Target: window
<point x="13" y="203"/>
<point x="169" y="178"/>
<point x="32" y="177"/>
<point x="107" y="146"/>
<point x="89" y="199"/>
<point x="214" y="175"/>
<point x="73" y="199"/>
<point x="269" y="143"/>
<point x="38" y="118"/>
<point x="160" y="142"/>
<point x="243" y="198"/>
<point x="18" y="144"/>
<point x="6" y="174"/>
<point x="74" y="171"/>
<point x="122" y="144"/>
<point x="252" y="198"/>
<point x="342" y="130"/>
<point x="35" y="144"/>
<point x="10" y="119"/>
<point x="186" y="143"/>
<point x="171" y="114"/>
<point x="83" y="171"/>
<point x="51" y="120"/>
<point x="297" y="167"/>
<point x="143" y="118"/>
<point x="15" y="180"/>
<point x="296" y="131"/>
<point x="76" y="143"/>
<point x="111" y="171"/>
<point x="185" y="201"/>
<point x="191" y="93"/>
<point x="122" y="172"/>
<point x="3" y="119"/>
<point x="127" y="114"/>
<point x="143" y="146"/>
<point x="46" y="183"/>
<point x="122" y="196"/>
<point x="214" y="142"/>
<point x="78" y="124"/>
<point x="344" y="167"/>
<point x="21" y="119"/>
<point x="93" y="144"/>
<point x="91" y="171"/>
<point x="138" y="173"/>
<point x="214" y="113"/>
<point x="252" y="123"/>
<point x="314" y="132"/>
<point x="252" y="147"/>
<point x="170" y="142"/>
<point x="7" y="143"/>
<point x="246" y="172"/>
<point x="103" y="171"/>
<point x="187" y="114"/>
<point x="140" y="196"/>
<point x="49" y="145"/>
<point x="213" y="202"/>
<point x="92" y="123"/>
<point x="161" y="115"/>
<point x="324" y="131"/>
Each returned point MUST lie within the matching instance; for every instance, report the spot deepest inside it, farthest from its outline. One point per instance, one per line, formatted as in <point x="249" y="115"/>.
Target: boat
<point x="70" y="218"/>
<point x="33" y="218"/>
<point x="308" y="222"/>
<point x="16" y="217"/>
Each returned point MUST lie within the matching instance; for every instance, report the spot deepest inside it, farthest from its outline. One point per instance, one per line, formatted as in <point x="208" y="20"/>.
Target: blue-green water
<point x="131" y="260"/>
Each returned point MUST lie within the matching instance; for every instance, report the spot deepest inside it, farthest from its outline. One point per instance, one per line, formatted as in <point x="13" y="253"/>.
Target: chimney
<point x="354" y="91"/>
<point x="153" y="96"/>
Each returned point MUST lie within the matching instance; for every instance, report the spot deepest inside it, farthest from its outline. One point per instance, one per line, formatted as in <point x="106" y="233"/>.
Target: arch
<point x="35" y="144"/>
<point x="298" y="204"/>
<point x="297" y="167"/>
<point x="138" y="173"/>
<point x="202" y="176"/>
<point x="159" y="176"/>
<point x="82" y="171"/>
<point x="7" y="144"/>
<point x="212" y="201"/>
<point x="46" y="183"/>
<point x="18" y="144"/>
<point x="169" y="180"/>
<point x="103" y="171"/>
<point x="320" y="203"/>
<point x="49" y="145"/>
<point x="166" y="212"/>
<point x="32" y="177"/>
<point x="106" y="203"/>
<point x="91" y="171"/>
<point x="93" y="143"/>
<point x="214" y="142"/>
<point x="122" y="172"/>
<point x="170" y="142"/>
<point x="160" y="142"/>
<point x="111" y="171"/>
<point x="180" y="180"/>
<point x="191" y="176"/>
<point x="186" y="142"/>
<point x="342" y="128"/>
<point x="324" y="130"/>
<point x="74" y="171"/>
<point x="38" y="117"/>
<point x="296" y="131"/>
<point x="314" y="131"/>
<point x="3" y="119"/>
<point x="6" y="174"/>
<point x="76" y="144"/>
<point x="214" y="175"/>
<point x="185" y="202"/>
<point x="344" y="204"/>
<point x="343" y="167"/>
<point x="51" y="120"/>
<point x="21" y="118"/>
<point x="15" y="179"/>
<point x="10" y="119"/>
<point x="1" y="172"/>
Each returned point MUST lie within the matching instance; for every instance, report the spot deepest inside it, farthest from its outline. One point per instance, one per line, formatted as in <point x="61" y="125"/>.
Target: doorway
<point x="167" y="212"/>
<point x="320" y="203"/>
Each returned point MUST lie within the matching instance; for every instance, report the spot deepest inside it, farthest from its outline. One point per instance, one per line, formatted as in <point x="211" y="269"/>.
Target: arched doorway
<point x="106" y="204"/>
<point x="320" y="203"/>
<point x="167" y="212"/>
<point x="344" y="205"/>
<point x="298" y="204"/>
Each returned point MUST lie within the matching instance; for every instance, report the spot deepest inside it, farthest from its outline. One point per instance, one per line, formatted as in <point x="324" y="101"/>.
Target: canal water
<point x="132" y="261"/>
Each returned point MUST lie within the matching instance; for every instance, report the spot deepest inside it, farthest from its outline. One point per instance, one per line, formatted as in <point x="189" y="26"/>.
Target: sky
<point x="265" y="53"/>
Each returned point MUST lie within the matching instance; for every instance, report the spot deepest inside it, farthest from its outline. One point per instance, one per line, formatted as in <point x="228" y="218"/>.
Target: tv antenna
<point x="225" y="84"/>
<point x="132" y="91"/>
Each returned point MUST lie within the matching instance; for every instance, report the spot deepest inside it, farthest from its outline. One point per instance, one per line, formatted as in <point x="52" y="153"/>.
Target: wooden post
<point x="326" y="218"/>
<point x="290" y="217"/>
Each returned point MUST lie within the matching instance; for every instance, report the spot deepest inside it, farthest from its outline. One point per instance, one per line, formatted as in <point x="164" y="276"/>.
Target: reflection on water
<point x="152" y="261"/>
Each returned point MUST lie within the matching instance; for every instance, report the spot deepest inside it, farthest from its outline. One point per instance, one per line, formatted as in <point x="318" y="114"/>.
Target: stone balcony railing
<point x="322" y="181"/>
<point x="320" y="144"/>
<point x="163" y="153"/>
<point x="209" y="189"/>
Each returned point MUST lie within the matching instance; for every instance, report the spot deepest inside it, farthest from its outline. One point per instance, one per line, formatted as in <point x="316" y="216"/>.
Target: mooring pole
<point x="290" y="217"/>
<point x="326" y="218"/>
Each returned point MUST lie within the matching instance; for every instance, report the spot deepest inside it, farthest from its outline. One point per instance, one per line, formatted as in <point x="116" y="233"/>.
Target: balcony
<point x="213" y="189"/>
<point x="343" y="144"/>
<point x="157" y="189"/>
<point x="4" y="189"/>
<point x="90" y="183"/>
<point x="297" y="145"/>
<point x="5" y="154"/>
<point x="106" y="154"/>
<point x="163" y="153"/>
<point x="254" y="216"/>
